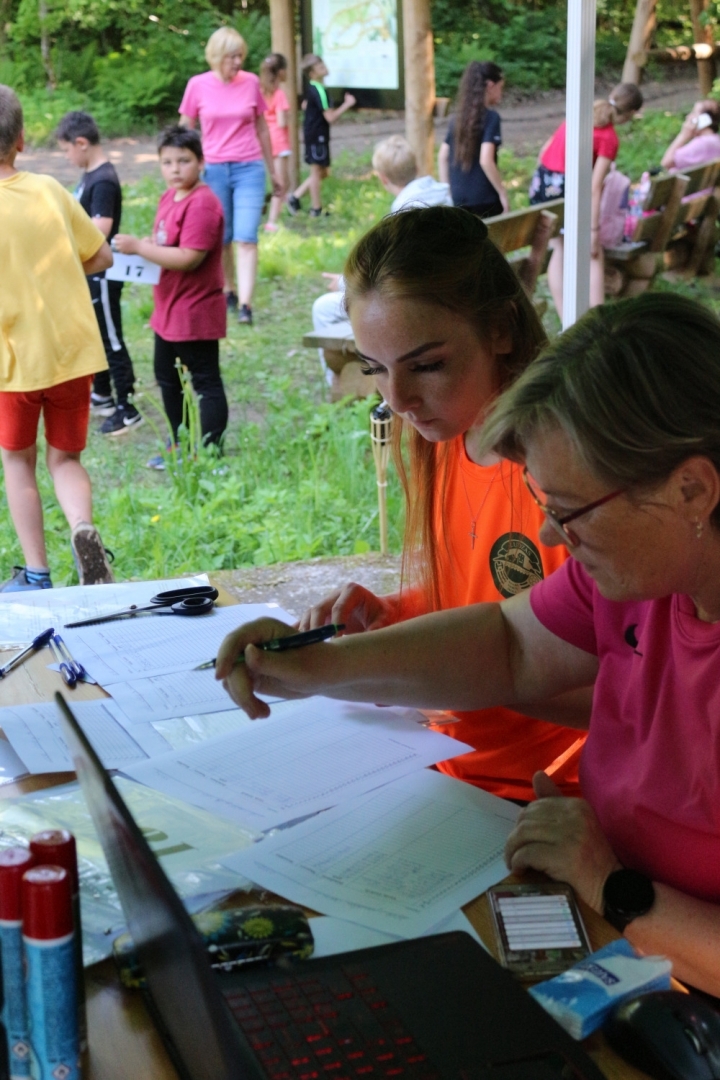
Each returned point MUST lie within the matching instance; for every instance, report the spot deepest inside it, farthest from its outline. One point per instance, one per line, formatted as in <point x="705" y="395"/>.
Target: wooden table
<point x="123" y="1042"/>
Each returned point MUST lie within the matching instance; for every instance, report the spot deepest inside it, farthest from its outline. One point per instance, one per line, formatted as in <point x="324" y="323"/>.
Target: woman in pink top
<point x="616" y="424"/>
<point x="273" y="72"/>
<point x="229" y="106"/>
<point x="698" y="141"/>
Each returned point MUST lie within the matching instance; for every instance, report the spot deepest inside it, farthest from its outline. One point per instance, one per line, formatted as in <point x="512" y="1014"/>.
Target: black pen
<point x="292" y="641"/>
<point x="39" y="643"/>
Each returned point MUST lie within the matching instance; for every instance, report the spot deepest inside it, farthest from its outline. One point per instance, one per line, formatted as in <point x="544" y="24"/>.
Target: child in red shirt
<point x="190" y="312"/>
<point x="273" y="73"/>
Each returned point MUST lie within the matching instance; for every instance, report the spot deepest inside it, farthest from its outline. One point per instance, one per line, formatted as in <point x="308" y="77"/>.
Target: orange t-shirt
<point x="505" y="557"/>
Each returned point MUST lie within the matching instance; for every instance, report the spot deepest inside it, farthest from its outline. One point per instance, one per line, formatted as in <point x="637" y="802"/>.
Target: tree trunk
<point x="704" y="35"/>
<point x="419" y="83"/>
<point x="641" y="37"/>
<point x="45" y="45"/>
<point x="282" y="33"/>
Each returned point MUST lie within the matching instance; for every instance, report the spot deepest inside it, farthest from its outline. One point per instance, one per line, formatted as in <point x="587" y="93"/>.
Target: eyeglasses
<point x="560" y="524"/>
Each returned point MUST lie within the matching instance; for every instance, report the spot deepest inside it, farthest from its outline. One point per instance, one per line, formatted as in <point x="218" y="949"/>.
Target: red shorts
<point x="65" y="409"/>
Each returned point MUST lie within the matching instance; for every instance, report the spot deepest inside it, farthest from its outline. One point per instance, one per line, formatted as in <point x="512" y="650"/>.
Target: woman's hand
<point x="562" y="837"/>
<point x="126" y="244"/>
<point x="595" y="246"/>
<point x="354" y="606"/>
<point x="504" y="201"/>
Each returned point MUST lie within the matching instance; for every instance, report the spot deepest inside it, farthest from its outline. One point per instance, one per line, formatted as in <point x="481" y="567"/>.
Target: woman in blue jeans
<point x="229" y="105"/>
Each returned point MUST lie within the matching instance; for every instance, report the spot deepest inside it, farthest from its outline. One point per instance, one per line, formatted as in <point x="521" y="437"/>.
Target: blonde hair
<point x="394" y="158"/>
<point x="11" y="121"/>
<point x="625" y="99"/>
<point x="224" y="42"/>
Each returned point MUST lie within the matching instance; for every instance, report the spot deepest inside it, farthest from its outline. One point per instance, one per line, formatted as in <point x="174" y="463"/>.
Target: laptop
<point x="435" y="1008"/>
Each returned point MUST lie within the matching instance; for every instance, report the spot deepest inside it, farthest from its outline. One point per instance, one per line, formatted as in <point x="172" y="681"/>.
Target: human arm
<point x="170" y="258"/>
<point x="444" y="163"/>
<point x="464" y="658"/>
<point x="101" y="260"/>
<point x="600" y="170"/>
<point x="263" y="133"/>
<point x="281" y="117"/>
<point x="331" y="115"/>
<point x="543" y="149"/>
<point x="333" y="281"/>
<point x="488" y="165"/>
<point x="683" y="137"/>
<point x="188" y="121"/>
<point x="562" y="837"/>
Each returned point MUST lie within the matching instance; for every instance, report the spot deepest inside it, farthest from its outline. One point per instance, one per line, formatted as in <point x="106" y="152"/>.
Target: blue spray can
<point x="49" y="941"/>
<point x="13" y="864"/>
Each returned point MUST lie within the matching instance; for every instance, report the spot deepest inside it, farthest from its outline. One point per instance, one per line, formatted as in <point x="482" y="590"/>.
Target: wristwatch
<point x="627" y="894"/>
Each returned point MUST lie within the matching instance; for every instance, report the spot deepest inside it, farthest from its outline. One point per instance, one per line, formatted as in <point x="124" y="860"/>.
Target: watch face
<point x="629" y="893"/>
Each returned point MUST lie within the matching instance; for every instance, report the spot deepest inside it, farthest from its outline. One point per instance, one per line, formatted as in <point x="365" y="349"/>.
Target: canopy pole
<point x="578" y="158"/>
<point x="282" y="34"/>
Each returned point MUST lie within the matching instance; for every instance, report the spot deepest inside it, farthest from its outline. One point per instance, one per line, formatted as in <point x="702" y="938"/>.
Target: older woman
<point x="616" y="424"/>
<point x="697" y="142"/>
<point x="229" y="105"/>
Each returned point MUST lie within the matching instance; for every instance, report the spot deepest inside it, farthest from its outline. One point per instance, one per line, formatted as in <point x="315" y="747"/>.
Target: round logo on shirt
<point x="515" y="564"/>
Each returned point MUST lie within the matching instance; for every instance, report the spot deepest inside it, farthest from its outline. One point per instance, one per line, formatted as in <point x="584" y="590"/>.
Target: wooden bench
<point x="690" y="251"/>
<point x="342" y="359"/>
<point x="631" y="267"/>
<point x="533" y="228"/>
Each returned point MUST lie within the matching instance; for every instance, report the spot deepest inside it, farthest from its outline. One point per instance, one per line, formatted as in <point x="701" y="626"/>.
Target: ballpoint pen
<point x="292" y="641"/>
<point x="39" y="643"/>
<point x="77" y="669"/>
<point x="69" y="677"/>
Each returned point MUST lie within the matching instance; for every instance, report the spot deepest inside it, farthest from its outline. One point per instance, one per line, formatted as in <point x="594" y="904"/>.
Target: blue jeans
<point x="240" y="187"/>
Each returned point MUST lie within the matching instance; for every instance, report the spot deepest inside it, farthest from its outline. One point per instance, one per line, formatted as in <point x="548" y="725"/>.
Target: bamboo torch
<point x="380" y="429"/>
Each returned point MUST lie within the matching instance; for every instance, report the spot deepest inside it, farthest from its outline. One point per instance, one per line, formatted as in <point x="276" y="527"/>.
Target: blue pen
<point x="39" y="643"/>
<point x="69" y="677"/>
<point x="77" y="669"/>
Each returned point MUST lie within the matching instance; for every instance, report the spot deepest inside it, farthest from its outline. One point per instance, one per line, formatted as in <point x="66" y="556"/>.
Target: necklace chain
<point x="474" y="517"/>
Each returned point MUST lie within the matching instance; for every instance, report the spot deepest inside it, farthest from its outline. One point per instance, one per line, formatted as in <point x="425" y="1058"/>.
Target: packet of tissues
<point x="581" y="998"/>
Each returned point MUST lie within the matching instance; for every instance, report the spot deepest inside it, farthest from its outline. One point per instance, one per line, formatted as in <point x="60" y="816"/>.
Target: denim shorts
<point x="240" y="187"/>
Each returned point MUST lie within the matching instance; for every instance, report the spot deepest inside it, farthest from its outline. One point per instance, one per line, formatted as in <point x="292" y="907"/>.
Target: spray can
<point x="13" y="864"/>
<point x="56" y="847"/>
<point x="49" y="943"/>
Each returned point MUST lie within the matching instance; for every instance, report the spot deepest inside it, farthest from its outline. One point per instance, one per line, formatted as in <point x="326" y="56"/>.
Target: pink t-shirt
<point x="189" y="304"/>
<point x="699" y="151"/>
<point x="279" y="137"/>
<point x="651" y="765"/>
<point x="227" y="114"/>
<point x="605" y="144"/>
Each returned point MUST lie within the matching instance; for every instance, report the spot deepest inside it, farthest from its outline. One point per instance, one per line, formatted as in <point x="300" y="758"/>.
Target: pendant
<point x="473" y="537"/>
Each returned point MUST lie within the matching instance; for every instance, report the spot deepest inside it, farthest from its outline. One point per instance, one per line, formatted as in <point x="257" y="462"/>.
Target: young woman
<point x="548" y="183"/>
<point x="443" y="324"/>
<point x="698" y="141"/>
<point x="273" y="73"/>
<point x="617" y="425"/>
<point x="468" y="157"/>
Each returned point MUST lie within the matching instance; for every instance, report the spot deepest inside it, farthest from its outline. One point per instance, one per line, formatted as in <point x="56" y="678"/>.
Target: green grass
<point x="298" y="478"/>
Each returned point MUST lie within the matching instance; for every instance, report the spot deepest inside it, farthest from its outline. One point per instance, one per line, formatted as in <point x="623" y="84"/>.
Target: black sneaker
<point x="101" y="405"/>
<point x="245" y="316"/>
<point x="293" y="205"/>
<point x="231" y="301"/>
<point x="124" y="418"/>
<point x="317" y="211"/>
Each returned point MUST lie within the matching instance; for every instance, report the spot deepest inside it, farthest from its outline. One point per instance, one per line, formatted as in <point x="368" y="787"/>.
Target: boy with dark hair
<point x="50" y="348"/>
<point x="100" y="195"/>
<point x="316" y="132"/>
<point x="190" y="310"/>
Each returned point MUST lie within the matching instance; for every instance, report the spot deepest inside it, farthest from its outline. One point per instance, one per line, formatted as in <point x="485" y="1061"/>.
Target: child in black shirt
<point x="100" y="195"/>
<point x="316" y="133"/>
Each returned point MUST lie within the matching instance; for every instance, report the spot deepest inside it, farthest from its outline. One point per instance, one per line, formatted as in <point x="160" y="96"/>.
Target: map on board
<point x="358" y="40"/>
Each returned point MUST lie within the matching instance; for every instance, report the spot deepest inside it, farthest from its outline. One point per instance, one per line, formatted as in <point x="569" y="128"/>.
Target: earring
<point x="698" y="529"/>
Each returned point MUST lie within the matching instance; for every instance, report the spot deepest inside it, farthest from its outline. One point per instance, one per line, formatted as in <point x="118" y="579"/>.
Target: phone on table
<point x="539" y="929"/>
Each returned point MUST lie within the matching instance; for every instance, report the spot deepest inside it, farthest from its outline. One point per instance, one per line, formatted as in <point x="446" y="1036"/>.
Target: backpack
<point x="613" y="207"/>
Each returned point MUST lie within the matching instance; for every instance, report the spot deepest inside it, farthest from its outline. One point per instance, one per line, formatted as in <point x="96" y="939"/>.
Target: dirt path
<point x="526" y="125"/>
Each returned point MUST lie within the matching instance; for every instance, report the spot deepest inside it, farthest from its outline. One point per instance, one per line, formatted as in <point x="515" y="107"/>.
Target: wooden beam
<point x="641" y="36"/>
<point x="680" y="53"/>
<point x="419" y="83"/>
<point x="282" y="35"/>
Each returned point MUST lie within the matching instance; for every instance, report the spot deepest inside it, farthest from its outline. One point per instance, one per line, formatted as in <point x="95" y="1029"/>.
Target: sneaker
<point x="293" y="205"/>
<point x="159" y="461"/>
<point x="231" y="301"/>
<point x="317" y="211"/>
<point x="124" y="418"/>
<point x="20" y="582"/>
<point x="101" y="405"/>
<point x="245" y="316"/>
<point x="91" y="558"/>
<point x="270" y="226"/>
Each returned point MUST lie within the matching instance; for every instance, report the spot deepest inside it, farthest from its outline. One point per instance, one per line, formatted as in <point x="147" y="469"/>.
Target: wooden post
<point x="419" y="83"/>
<point x="380" y="430"/>
<point x="703" y="35"/>
<point x="282" y="34"/>
<point x="641" y="36"/>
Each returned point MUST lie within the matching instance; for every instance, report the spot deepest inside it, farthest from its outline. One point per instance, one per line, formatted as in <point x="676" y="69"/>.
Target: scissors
<point x="193" y="600"/>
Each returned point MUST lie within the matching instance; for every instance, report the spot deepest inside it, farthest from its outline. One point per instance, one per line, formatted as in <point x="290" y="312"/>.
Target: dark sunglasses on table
<point x="560" y="524"/>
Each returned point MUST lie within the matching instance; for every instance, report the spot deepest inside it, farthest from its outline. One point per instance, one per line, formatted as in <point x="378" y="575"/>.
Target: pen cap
<point x="14" y="862"/>
<point x="57" y="847"/>
<point x="46" y="903"/>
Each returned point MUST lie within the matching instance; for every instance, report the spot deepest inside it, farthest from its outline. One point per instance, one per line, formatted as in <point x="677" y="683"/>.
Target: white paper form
<point x="184" y="731"/>
<point x="333" y="936"/>
<point x="162" y="697"/>
<point x="307" y="756"/>
<point x="25" y="615"/>
<point x="399" y="859"/>
<point x="35" y="735"/>
<point x="159" y="644"/>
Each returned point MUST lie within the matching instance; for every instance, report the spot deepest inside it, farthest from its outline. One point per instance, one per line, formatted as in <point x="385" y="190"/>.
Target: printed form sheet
<point x="307" y="756"/>
<point x="399" y="859"/>
<point x="162" y="697"/>
<point x="159" y="644"/>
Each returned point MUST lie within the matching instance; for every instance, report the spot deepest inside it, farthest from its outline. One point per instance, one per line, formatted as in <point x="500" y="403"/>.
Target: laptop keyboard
<point x="333" y="1026"/>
